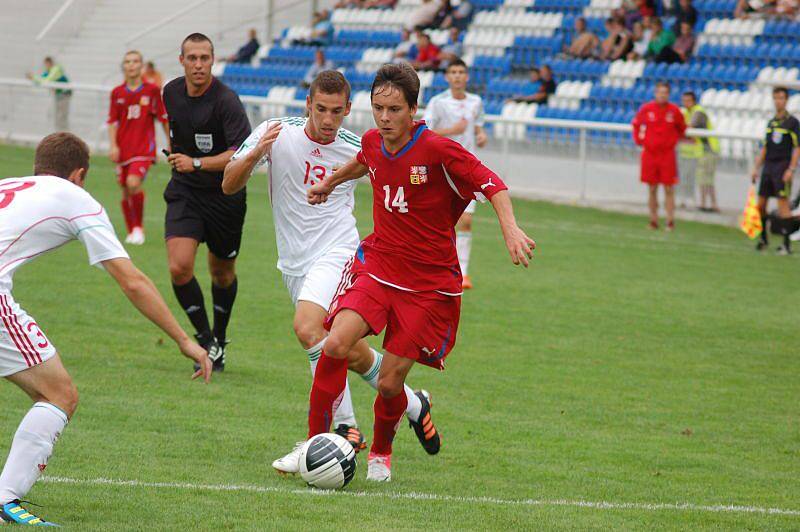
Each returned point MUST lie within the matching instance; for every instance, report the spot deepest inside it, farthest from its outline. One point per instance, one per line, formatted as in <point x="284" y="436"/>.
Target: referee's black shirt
<point x="203" y="126"/>
<point x="782" y="138"/>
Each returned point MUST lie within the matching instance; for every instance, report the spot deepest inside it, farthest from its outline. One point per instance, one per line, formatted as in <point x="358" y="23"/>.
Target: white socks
<point x="344" y="411"/>
<point x="414" y="408"/>
<point x="30" y="450"/>
<point x="463" y="248"/>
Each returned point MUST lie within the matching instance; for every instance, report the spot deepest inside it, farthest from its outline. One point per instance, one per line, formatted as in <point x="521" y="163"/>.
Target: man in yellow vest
<point x="697" y="157"/>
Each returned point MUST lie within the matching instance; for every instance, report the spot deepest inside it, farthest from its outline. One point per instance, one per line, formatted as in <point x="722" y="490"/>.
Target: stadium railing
<point x="578" y="141"/>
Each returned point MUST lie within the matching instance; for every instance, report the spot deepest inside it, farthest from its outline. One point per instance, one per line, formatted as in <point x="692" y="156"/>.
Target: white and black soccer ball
<point x="327" y="461"/>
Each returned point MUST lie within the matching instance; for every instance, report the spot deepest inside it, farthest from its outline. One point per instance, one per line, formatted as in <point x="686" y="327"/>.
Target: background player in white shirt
<point x="315" y="243"/>
<point x="458" y="114"/>
<point x="38" y="214"/>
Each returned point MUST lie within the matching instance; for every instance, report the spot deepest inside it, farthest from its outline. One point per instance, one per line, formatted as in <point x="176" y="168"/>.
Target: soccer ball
<point x="327" y="461"/>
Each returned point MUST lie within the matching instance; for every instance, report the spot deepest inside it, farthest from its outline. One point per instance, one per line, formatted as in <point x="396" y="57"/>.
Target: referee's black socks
<point x="190" y="297"/>
<point x="223" y="299"/>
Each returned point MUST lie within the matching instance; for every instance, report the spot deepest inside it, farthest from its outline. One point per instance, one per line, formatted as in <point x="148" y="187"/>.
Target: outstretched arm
<point x="319" y="193"/>
<point x="520" y="246"/>
<point x="141" y="291"/>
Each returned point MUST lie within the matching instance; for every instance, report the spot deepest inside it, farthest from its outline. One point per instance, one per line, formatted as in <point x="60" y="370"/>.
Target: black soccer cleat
<point x="761" y="245"/>
<point x="216" y="351"/>
<point x="426" y="431"/>
<point x="352" y="435"/>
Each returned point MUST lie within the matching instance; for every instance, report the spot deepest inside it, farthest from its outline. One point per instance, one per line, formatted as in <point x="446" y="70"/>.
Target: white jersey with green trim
<point x="305" y="232"/>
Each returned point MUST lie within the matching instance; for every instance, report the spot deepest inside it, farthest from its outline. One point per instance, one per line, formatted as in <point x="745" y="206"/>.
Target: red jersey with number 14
<point x="135" y="113"/>
<point x="418" y="195"/>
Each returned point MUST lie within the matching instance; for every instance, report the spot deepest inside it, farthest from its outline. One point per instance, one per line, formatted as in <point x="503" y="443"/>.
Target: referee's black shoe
<point x="216" y="352"/>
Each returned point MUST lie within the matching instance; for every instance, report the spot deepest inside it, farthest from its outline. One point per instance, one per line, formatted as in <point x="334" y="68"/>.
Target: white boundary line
<point x="595" y="505"/>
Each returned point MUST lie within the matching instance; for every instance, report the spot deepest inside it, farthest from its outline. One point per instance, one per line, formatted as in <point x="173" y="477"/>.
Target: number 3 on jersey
<point x="399" y="200"/>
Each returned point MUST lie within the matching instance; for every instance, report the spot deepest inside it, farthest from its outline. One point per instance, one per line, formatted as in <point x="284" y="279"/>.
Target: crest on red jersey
<point x="419" y="175"/>
<point x="145" y="100"/>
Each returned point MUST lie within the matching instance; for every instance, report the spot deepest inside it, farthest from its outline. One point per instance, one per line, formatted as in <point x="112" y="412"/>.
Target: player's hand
<point x="181" y="162"/>
<point x="520" y="246"/>
<point x="113" y="154"/>
<point x="754" y="176"/>
<point x="192" y="350"/>
<point x="788" y="175"/>
<point x="319" y="193"/>
<point x="266" y="141"/>
<point x="481" y="138"/>
<point x="459" y="127"/>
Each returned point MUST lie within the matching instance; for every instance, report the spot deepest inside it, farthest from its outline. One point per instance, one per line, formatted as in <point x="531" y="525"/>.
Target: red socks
<point x="326" y="392"/>
<point x="127" y="214"/>
<point x="388" y="413"/>
<point x="133" y="210"/>
<point x="137" y="207"/>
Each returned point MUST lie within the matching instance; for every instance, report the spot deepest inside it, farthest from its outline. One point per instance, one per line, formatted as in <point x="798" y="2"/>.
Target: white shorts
<point x="22" y="344"/>
<point x="471" y="207"/>
<point x="319" y="285"/>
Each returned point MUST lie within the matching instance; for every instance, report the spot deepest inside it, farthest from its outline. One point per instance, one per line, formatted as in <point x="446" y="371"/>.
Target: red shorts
<point x="421" y="326"/>
<point x="137" y="168"/>
<point x="659" y="168"/>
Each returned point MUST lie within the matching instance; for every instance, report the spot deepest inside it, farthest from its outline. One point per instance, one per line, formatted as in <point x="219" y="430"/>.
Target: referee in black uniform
<point x="778" y="156"/>
<point x="207" y="123"/>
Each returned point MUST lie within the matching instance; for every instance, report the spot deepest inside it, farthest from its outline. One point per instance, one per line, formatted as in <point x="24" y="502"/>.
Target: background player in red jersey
<point x="664" y="126"/>
<point x="405" y="276"/>
<point x="135" y="107"/>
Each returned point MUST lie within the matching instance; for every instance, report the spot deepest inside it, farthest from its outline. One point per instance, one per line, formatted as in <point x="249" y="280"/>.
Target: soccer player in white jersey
<point x="458" y="114"/>
<point x="315" y="243"/>
<point x="38" y="214"/>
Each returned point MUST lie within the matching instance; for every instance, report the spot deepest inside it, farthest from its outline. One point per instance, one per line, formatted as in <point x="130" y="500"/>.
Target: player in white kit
<point x="458" y="114"/>
<point x="315" y="243"/>
<point x="38" y="214"/>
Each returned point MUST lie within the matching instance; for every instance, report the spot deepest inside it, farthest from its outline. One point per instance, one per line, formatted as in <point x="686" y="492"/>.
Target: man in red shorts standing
<point x="405" y="276"/>
<point x="135" y="107"/>
<point x="657" y="127"/>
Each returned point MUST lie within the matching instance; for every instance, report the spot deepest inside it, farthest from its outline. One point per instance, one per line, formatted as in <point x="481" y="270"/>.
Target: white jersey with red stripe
<point x="41" y="213"/>
<point x="38" y="214"/>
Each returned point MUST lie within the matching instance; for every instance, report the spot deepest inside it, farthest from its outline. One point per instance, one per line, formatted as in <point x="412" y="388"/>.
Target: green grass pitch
<point x="652" y="376"/>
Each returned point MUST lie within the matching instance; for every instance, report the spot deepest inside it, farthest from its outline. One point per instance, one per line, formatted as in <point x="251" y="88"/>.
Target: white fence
<point x="571" y="147"/>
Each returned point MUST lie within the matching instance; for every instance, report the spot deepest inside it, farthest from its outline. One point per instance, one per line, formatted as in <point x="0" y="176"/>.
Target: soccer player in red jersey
<point x="657" y="127"/>
<point x="135" y="107"/>
<point x="405" y="276"/>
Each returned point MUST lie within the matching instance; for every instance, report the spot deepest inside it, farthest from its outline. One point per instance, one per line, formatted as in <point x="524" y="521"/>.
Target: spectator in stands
<point x="423" y="16"/>
<point x="151" y="75"/>
<point x="584" y="42"/>
<point x="749" y="8"/>
<point x="246" y="53"/>
<point x="427" y="54"/>
<point x="684" y="12"/>
<point x="787" y="8"/>
<point x="662" y="39"/>
<point x="407" y="49"/>
<point x="681" y="49"/>
<point x="460" y="15"/>
<point x="452" y="50"/>
<point x="381" y="4"/>
<point x="320" y="63"/>
<point x="546" y="86"/>
<point x="697" y="157"/>
<point x="633" y="11"/>
<point x="444" y="10"/>
<point x="657" y="127"/>
<point x="321" y="30"/>
<point x="641" y="39"/>
<point x="54" y="73"/>
<point x="618" y="44"/>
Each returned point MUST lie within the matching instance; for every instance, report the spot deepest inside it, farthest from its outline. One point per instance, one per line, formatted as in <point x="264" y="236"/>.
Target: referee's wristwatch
<point x="196" y="163"/>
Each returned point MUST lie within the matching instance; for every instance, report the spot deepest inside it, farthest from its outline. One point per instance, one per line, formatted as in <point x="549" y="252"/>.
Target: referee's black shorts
<point x="772" y="183"/>
<point x="206" y="215"/>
